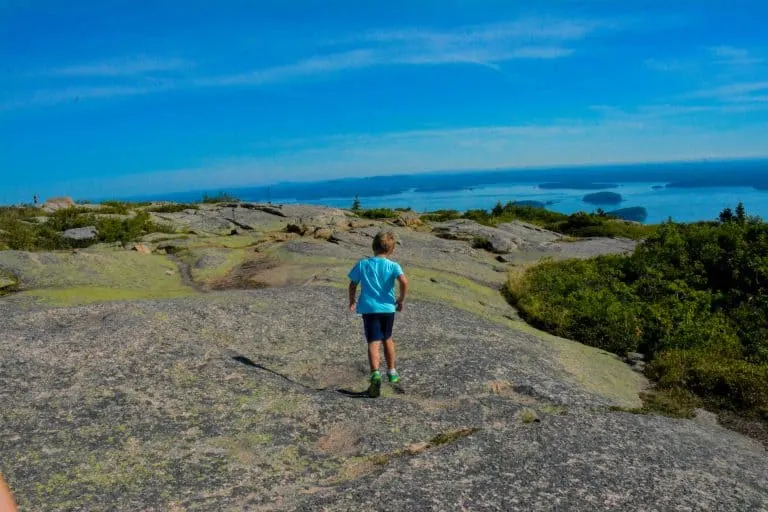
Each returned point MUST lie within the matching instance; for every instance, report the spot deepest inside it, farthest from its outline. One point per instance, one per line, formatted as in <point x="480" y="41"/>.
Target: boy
<point x="377" y="276"/>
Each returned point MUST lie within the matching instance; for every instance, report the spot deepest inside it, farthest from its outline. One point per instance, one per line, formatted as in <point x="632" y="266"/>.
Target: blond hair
<point x="384" y="242"/>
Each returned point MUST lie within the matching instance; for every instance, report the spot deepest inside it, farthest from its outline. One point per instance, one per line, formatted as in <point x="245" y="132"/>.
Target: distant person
<point x="376" y="277"/>
<point x="6" y="499"/>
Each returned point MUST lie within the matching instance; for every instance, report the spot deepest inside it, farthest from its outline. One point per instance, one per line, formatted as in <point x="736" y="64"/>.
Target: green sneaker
<point x="394" y="378"/>
<point x="375" y="390"/>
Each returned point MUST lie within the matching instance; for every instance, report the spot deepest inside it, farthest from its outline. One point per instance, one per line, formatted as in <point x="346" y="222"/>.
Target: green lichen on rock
<point x="8" y="282"/>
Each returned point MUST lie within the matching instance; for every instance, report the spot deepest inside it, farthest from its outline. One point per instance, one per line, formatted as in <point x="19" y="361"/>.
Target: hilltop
<point x="199" y="368"/>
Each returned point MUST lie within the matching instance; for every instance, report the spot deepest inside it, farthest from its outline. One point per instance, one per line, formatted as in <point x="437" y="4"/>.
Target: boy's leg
<point x="374" y="355"/>
<point x="389" y="353"/>
<point x="388" y="322"/>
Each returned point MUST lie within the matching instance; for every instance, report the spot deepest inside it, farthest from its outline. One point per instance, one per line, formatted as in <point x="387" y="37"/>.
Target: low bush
<point x="693" y="297"/>
<point x="20" y="231"/>
<point x="377" y="213"/>
<point x="221" y="197"/>
<point x="172" y="208"/>
<point x="441" y="215"/>
<point x="579" y="224"/>
<point x="115" y="207"/>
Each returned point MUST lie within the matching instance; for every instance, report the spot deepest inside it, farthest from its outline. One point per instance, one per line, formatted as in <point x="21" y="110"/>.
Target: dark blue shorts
<point x="378" y="326"/>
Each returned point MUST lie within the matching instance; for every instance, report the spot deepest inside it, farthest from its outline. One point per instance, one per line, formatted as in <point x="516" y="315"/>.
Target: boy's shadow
<point x="346" y="392"/>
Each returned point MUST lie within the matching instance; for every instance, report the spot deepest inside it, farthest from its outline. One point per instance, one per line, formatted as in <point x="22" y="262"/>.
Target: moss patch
<point x="87" y="277"/>
<point x="93" y="294"/>
<point x="597" y="371"/>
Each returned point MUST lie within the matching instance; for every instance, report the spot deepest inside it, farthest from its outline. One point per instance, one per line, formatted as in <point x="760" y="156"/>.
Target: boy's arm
<point x="403" y="282"/>
<point x="352" y="295"/>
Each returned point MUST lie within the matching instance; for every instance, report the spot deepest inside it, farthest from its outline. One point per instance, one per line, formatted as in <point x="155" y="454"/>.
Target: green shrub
<point x="172" y="208"/>
<point x="693" y="297"/>
<point x="18" y="231"/>
<point x="729" y="383"/>
<point x="378" y="213"/>
<point x="441" y="216"/>
<point x="579" y="224"/>
<point x="115" y="207"/>
<point x="127" y="230"/>
<point x="221" y="197"/>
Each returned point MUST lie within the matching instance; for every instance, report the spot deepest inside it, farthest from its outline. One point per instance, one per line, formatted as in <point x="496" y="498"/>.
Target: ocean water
<point x="682" y="191"/>
<point x="681" y="204"/>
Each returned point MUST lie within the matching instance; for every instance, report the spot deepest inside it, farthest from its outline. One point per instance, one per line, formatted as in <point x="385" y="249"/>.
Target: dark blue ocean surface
<point x="686" y="192"/>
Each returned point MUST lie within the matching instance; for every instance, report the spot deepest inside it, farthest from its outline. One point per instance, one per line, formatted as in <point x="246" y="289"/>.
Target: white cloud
<point x="313" y="66"/>
<point x="725" y="92"/>
<point x="129" y="66"/>
<point x="732" y="56"/>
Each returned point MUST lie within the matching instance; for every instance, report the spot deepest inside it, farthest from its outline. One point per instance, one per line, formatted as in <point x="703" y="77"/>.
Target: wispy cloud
<point x="131" y="66"/>
<point x="668" y="65"/>
<point x="50" y="97"/>
<point x="309" y="67"/>
<point x="488" y="46"/>
<point x="482" y="45"/>
<point x="727" y="92"/>
<point x="732" y="56"/>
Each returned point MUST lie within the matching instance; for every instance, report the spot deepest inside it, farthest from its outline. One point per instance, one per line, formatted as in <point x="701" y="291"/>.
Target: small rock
<point x="143" y="249"/>
<point x="635" y="356"/>
<point x="433" y="280"/>
<point x="504" y="258"/>
<point x="323" y="233"/>
<point x="528" y="415"/>
<point x="639" y="367"/>
<point x="417" y="448"/>
<point x="81" y="234"/>
<point x="58" y="203"/>
<point x="704" y="417"/>
<point x="169" y="272"/>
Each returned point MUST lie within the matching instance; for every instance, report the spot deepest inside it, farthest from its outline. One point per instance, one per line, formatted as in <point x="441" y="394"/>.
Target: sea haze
<point x="685" y="192"/>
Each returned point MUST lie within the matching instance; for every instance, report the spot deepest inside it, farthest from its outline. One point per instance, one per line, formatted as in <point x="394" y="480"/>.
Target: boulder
<point x="142" y="249"/>
<point x="481" y="237"/>
<point x="409" y="220"/>
<point x="81" y="234"/>
<point x="634" y="357"/>
<point x="58" y="203"/>
<point x="323" y="233"/>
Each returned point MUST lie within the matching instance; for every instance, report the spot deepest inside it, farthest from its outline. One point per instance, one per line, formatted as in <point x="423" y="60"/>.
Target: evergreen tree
<point x="356" y="204"/>
<point x="741" y="213"/>
<point x="726" y="215"/>
<point x="498" y="210"/>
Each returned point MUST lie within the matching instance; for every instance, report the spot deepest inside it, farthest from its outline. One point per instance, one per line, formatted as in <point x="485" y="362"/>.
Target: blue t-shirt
<point x="377" y="277"/>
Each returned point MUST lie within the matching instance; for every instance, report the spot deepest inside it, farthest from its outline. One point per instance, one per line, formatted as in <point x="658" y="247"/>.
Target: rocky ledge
<point x="219" y="371"/>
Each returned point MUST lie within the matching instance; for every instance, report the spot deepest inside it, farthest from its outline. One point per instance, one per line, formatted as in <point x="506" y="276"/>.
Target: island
<point x="635" y="214"/>
<point x="658" y="187"/>
<point x="576" y="185"/>
<point x="603" y="198"/>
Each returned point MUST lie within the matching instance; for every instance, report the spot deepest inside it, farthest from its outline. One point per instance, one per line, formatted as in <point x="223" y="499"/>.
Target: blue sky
<point x="113" y="98"/>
